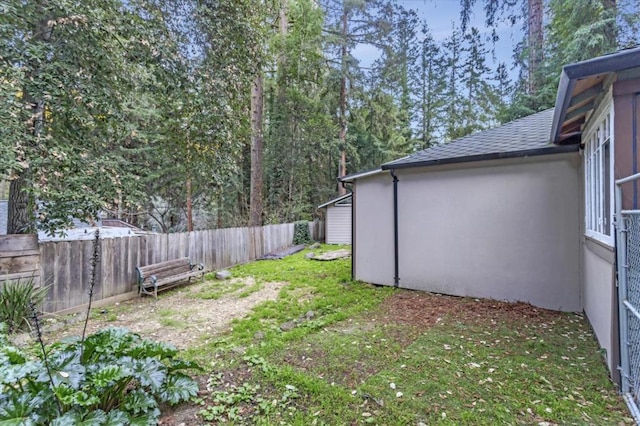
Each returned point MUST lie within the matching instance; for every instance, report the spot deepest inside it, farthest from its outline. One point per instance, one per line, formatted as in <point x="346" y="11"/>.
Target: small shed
<point x="338" y="220"/>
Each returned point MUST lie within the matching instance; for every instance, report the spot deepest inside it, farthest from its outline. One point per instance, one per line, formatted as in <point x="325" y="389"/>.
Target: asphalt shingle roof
<point x="524" y="135"/>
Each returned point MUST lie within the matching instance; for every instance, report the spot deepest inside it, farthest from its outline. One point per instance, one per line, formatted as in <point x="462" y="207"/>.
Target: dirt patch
<point x="178" y="317"/>
<point x="426" y="309"/>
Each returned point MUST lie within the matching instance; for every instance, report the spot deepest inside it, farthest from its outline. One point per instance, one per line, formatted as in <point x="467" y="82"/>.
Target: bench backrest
<point x="165" y="269"/>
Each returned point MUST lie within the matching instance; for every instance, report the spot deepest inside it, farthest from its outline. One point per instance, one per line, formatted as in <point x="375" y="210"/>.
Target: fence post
<point x="621" y="248"/>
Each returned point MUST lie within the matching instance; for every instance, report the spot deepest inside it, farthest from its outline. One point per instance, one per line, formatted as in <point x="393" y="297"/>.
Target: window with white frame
<point x="598" y="155"/>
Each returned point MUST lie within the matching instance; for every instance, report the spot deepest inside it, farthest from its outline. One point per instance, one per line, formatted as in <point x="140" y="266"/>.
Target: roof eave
<point x="573" y="72"/>
<point x="354" y="176"/>
<point x="335" y="200"/>
<point x="563" y="99"/>
<point x="617" y="61"/>
<point x="548" y="150"/>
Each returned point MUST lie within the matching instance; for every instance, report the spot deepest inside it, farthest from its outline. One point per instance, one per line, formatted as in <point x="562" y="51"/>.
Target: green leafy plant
<point x="301" y="232"/>
<point x="112" y="377"/>
<point x="15" y="299"/>
<point x="243" y="402"/>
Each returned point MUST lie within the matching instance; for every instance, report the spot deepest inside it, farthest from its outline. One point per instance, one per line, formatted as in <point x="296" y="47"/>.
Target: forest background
<point x="196" y="114"/>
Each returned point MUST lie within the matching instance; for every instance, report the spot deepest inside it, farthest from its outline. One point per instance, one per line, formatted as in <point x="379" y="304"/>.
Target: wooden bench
<point x="159" y="276"/>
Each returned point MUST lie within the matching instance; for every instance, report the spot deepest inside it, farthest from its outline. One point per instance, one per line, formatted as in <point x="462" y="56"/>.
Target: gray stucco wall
<point x="507" y="229"/>
<point x="599" y="296"/>
<point x="373" y="206"/>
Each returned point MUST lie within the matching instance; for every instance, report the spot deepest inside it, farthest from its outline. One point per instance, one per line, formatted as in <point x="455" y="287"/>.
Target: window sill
<point x="601" y="239"/>
<point x="602" y="249"/>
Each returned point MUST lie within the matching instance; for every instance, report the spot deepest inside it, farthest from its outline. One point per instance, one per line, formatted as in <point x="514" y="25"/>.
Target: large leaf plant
<point x="113" y="377"/>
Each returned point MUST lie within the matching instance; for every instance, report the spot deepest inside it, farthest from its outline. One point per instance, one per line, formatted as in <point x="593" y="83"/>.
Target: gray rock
<point x="259" y="335"/>
<point x="223" y="274"/>
<point x="333" y="255"/>
<point x="288" y="326"/>
<point x="314" y="246"/>
<point x="21" y="340"/>
<point x="240" y="350"/>
<point x="309" y="255"/>
<point x="310" y="315"/>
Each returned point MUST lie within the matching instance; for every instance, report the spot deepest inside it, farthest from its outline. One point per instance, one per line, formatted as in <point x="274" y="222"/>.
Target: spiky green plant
<point x="16" y="298"/>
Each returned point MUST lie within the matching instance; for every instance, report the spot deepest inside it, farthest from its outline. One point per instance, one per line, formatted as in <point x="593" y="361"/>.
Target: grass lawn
<point x="330" y="351"/>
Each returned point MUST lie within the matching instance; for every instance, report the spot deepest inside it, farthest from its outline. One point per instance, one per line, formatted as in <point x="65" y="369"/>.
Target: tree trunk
<point x="255" y="207"/>
<point x="536" y="39"/>
<point x="20" y="220"/>
<point x="283" y="18"/>
<point x="343" y="103"/>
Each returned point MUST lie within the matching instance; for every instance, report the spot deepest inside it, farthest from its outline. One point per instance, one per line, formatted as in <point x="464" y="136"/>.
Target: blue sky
<point x="441" y="15"/>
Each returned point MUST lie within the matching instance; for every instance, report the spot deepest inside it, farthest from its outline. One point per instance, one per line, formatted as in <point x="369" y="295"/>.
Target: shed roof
<point x="336" y="200"/>
<point x="527" y="136"/>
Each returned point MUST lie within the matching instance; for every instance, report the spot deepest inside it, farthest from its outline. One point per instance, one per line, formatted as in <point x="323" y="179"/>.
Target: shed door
<point x="339" y="224"/>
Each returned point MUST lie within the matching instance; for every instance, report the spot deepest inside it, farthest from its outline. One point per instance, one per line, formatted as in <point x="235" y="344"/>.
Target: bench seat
<point x="164" y="275"/>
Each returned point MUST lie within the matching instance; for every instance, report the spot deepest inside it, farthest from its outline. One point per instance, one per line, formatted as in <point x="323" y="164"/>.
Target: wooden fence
<point x="65" y="265"/>
<point x="19" y="258"/>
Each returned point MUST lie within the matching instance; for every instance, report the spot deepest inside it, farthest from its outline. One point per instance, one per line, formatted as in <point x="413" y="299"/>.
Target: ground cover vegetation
<point x="363" y="354"/>
<point x="187" y="114"/>
<point x="326" y="350"/>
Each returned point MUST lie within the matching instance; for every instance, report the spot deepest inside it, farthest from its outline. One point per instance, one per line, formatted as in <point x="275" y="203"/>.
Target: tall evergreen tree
<point x="453" y="51"/>
<point x="428" y="86"/>
<point x="300" y="149"/>
<point x="398" y="61"/>
<point x="478" y="111"/>
<point x="349" y="23"/>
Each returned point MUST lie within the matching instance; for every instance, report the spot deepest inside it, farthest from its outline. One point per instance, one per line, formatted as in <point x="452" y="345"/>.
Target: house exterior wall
<point x="373" y="249"/>
<point x="626" y="101"/>
<point x="598" y="262"/>
<point x="504" y="229"/>
<point x="599" y="298"/>
<point x="338" y="224"/>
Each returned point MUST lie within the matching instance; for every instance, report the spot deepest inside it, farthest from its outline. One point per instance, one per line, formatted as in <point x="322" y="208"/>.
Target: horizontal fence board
<point x="20" y="276"/>
<point x="4" y="254"/>
<point x="19" y="258"/>
<point x="12" y="265"/>
<point x="18" y="242"/>
<point x="66" y="265"/>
